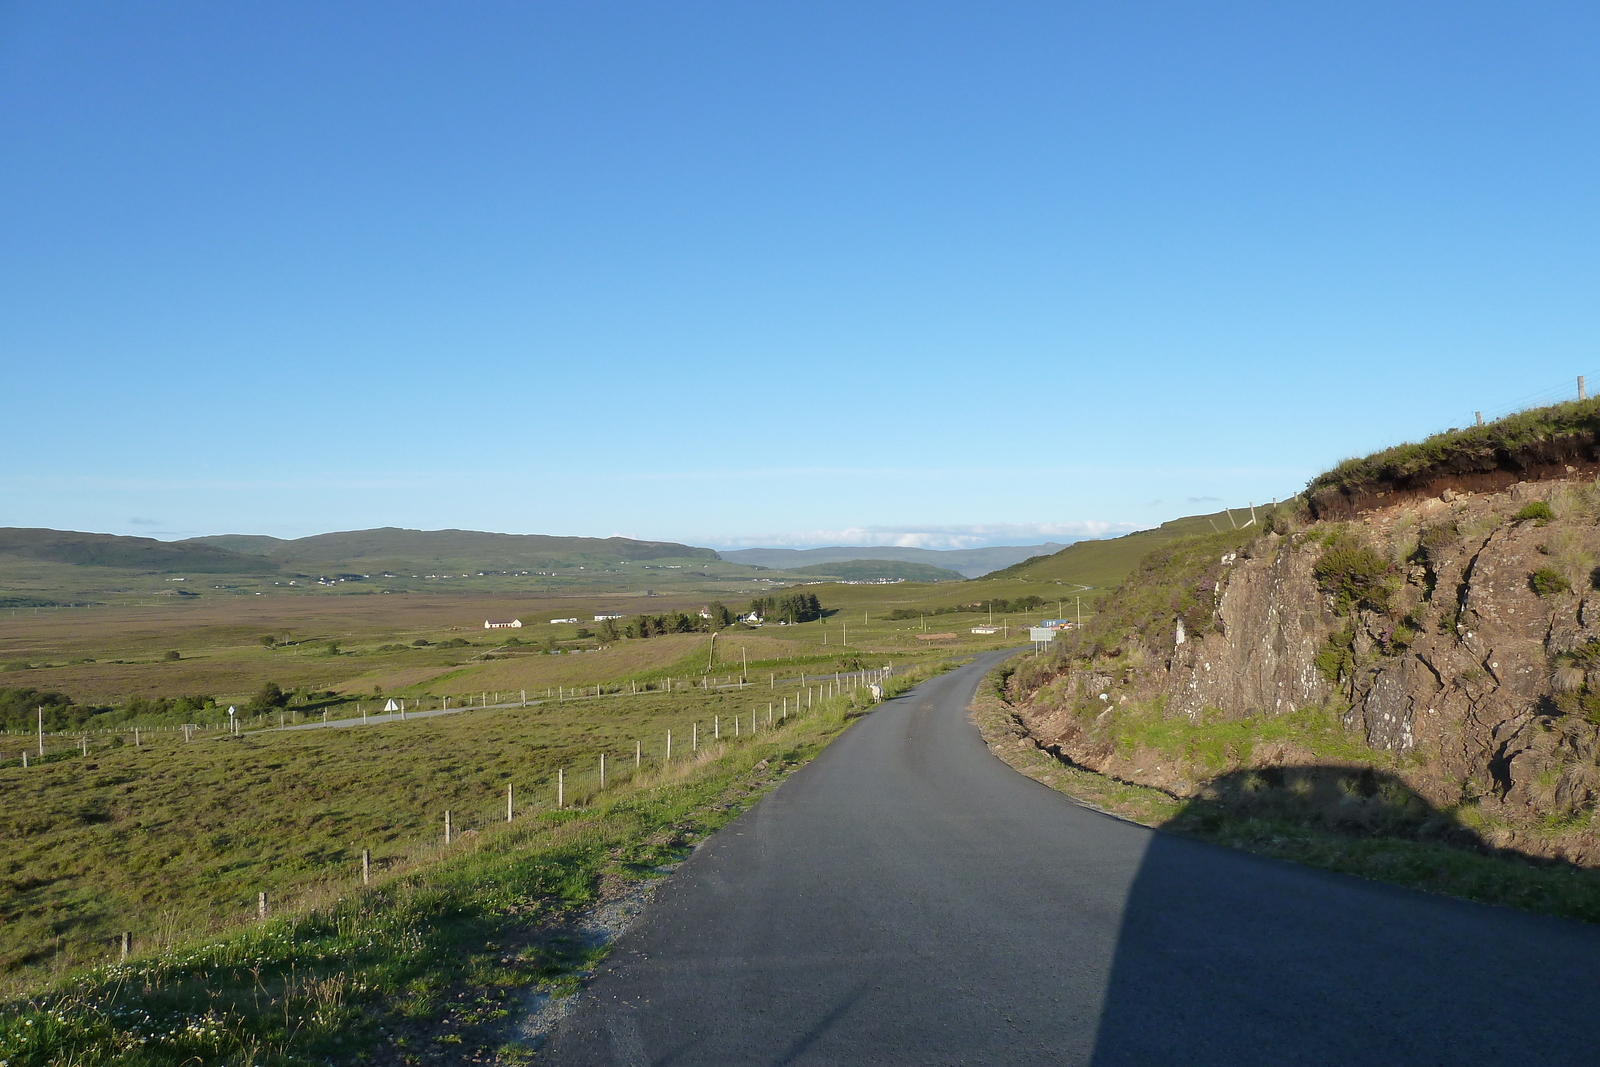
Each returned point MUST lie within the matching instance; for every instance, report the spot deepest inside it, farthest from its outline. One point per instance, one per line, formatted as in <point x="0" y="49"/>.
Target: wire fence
<point x="1554" y="394"/>
<point x="681" y="746"/>
<point x="41" y="745"/>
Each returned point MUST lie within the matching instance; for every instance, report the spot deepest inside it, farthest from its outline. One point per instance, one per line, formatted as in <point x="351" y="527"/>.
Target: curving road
<point x="908" y="899"/>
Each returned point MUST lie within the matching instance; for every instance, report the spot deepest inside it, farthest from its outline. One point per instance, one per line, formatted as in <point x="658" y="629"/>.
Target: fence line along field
<point x="173" y="839"/>
<point x="434" y="959"/>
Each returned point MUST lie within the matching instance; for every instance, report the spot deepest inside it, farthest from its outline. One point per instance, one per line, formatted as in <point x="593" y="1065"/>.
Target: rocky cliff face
<point x="1447" y="641"/>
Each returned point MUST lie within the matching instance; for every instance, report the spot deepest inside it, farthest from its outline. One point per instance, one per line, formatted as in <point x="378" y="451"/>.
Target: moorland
<point x="119" y="820"/>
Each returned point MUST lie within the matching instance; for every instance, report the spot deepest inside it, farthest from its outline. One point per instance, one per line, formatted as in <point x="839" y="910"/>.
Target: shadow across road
<point x="1223" y="957"/>
<point x="907" y="898"/>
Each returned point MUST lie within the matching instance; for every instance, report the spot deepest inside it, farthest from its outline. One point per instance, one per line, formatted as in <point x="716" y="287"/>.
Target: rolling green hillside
<point x="866" y="570"/>
<point x="1101" y="565"/>
<point x="127" y="553"/>
<point x="453" y="549"/>
<point x="968" y="562"/>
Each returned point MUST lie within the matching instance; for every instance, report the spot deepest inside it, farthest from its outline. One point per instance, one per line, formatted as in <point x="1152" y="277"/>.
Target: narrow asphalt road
<point x="908" y="899"/>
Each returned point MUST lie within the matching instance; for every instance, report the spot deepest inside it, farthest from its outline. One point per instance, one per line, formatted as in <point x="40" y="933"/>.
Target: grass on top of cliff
<point x="1472" y="450"/>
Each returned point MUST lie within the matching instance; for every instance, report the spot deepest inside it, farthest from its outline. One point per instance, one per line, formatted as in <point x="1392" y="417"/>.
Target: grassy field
<point x="171" y="839"/>
<point x="427" y="639"/>
<point x="431" y="961"/>
<point x="106" y="654"/>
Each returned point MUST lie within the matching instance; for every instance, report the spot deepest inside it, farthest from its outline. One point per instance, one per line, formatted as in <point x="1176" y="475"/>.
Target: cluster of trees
<point x="165" y="711"/>
<point x="19" y="709"/>
<point x="1021" y="605"/>
<point x="790" y="607"/>
<point x="673" y="622"/>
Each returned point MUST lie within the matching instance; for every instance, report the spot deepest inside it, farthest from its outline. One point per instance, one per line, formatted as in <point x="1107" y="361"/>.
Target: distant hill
<point x="1103" y="564"/>
<point x="866" y="570"/>
<point x="968" y="562"/>
<point x="128" y="553"/>
<point x="249" y="544"/>
<point x="393" y="548"/>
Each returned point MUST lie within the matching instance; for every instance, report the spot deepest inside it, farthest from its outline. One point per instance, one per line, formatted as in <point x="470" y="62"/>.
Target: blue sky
<point x="787" y="274"/>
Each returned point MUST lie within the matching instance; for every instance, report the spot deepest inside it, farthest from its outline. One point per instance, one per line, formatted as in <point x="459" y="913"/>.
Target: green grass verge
<point x="1497" y="878"/>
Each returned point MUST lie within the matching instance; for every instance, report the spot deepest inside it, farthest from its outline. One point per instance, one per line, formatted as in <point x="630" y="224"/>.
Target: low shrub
<point x="1547" y="581"/>
<point x="1537" y="512"/>
<point x="1355" y="574"/>
<point x="1337" y="658"/>
<point x="1435" y="539"/>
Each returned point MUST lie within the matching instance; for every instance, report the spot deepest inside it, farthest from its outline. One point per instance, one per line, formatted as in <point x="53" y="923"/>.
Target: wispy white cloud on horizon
<point x="974" y="535"/>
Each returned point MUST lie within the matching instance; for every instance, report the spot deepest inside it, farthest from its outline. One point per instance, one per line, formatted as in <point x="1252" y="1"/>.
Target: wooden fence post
<point x="261" y="905"/>
<point x="366" y="866"/>
<point x="127" y="944"/>
<point x="447" y="826"/>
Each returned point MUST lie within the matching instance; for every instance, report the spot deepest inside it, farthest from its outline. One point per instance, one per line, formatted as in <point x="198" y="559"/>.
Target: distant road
<point x="784" y="687"/>
<point x="908" y="899"/>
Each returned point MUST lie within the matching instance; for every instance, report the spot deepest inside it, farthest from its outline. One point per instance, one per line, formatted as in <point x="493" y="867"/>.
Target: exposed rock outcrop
<point x="1464" y="665"/>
